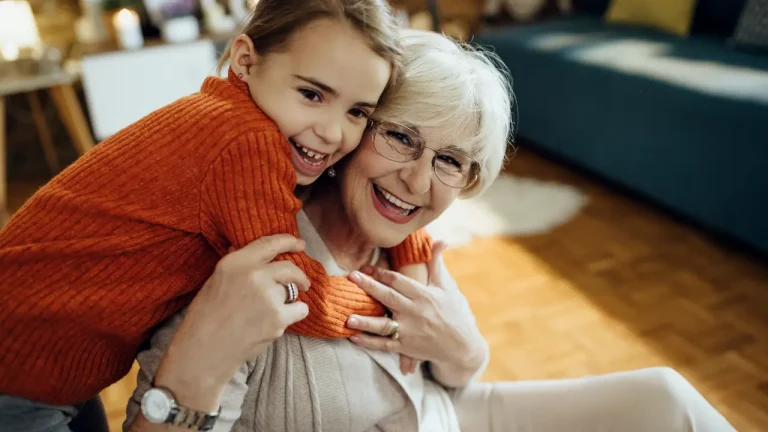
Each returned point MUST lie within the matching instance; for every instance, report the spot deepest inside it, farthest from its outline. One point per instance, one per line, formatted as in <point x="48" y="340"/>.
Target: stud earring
<point x="331" y="172"/>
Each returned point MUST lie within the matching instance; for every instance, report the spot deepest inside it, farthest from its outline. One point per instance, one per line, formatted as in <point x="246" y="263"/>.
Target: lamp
<point x="22" y="52"/>
<point x="18" y="31"/>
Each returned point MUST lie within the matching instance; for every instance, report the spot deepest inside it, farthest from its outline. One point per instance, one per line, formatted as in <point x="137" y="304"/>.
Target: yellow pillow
<point x="673" y="16"/>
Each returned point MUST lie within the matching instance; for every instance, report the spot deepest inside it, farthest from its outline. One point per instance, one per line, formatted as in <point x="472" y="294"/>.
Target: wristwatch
<point x="159" y="407"/>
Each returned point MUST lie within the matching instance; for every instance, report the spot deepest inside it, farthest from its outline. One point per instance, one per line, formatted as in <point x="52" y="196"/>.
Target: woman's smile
<point x="392" y="207"/>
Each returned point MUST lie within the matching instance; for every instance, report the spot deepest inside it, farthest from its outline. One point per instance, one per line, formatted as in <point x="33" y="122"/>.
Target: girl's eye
<point x="310" y="95"/>
<point x="358" y="113"/>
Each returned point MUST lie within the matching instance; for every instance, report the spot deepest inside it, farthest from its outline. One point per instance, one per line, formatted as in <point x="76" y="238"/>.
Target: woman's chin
<point x="381" y="233"/>
<point x="387" y="234"/>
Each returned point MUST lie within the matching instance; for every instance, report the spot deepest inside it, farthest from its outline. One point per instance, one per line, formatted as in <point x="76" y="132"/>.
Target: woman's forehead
<point x="439" y="138"/>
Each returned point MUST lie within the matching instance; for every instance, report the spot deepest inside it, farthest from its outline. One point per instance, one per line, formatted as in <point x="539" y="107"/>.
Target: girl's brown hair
<point x="273" y="22"/>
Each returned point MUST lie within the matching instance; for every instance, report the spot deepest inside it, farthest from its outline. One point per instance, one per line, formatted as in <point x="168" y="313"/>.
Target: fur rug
<point x="512" y="206"/>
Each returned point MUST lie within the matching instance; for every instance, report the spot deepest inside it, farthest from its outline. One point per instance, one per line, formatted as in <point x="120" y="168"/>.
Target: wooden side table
<point x="62" y="92"/>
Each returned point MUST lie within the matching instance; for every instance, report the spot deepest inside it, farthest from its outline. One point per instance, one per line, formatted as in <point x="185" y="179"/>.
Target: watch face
<point x="156" y="405"/>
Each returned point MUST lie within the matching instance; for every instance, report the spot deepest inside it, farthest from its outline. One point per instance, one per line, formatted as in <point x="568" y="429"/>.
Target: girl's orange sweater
<point x="125" y="237"/>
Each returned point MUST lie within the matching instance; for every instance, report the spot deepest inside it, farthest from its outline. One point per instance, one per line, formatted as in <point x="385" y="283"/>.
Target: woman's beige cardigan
<point x="307" y="384"/>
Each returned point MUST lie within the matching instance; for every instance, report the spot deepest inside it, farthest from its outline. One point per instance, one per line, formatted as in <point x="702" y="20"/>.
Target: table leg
<point x="4" y="214"/>
<point x="43" y="132"/>
<point x="66" y="101"/>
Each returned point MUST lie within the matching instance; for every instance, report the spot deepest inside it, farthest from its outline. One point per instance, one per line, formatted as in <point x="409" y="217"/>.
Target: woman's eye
<point x="310" y="95"/>
<point x="401" y="138"/>
<point x="358" y="113"/>
<point x="450" y="161"/>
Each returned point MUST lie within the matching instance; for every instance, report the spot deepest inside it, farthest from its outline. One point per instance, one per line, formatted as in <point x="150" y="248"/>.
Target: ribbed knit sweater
<point x="125" y="237"/>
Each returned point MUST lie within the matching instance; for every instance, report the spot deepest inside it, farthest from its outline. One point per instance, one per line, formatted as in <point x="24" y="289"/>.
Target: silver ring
<point x="291" y="293"/>
<point x="394" y="326"/>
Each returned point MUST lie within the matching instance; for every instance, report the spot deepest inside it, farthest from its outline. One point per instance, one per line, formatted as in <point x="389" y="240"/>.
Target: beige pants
<point x="647" y="400"/>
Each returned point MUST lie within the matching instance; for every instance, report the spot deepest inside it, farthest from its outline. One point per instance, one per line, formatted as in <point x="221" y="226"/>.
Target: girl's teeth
<point x="311" y="153"/>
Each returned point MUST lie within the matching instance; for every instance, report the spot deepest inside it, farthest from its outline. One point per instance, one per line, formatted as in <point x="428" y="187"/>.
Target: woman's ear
<point x="242" y="56"/>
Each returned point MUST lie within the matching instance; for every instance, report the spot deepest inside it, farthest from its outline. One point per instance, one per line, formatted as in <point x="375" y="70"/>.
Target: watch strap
<point x="192" y="419"/>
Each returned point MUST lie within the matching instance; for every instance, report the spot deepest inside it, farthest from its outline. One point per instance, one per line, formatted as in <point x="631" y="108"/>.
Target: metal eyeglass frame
<point x="375" y="124"/>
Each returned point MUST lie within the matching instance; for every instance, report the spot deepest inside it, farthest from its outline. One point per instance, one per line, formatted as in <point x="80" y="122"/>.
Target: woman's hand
<point x="239" y="311"/>
<point x="435" y="323"/>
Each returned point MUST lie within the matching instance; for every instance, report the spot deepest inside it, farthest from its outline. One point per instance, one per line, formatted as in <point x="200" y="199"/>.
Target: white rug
<point x="512" y="206"/>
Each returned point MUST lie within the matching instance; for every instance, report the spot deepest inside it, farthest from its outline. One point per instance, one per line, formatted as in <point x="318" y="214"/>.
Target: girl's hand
<point x="435" y="323"/>
<point x="238" y="312"/>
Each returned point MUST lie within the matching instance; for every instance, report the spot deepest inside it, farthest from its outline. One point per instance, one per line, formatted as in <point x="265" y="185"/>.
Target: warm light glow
<point x="126" y="17"/>
<point x="9" y="52"/>
<point x="18" y="29"/>
<point x="128" y="29"/>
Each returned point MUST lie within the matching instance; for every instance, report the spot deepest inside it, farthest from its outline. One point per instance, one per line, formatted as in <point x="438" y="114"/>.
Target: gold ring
<point x="394" y="326"/>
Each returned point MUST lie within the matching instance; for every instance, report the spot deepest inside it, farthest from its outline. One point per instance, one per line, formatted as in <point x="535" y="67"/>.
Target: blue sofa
<point x="682" y="121"/>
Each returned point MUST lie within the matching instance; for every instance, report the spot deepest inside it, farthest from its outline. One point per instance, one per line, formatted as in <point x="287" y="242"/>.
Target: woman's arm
<point x="230" y="398"/>
<point x="461" y="369"/>
<point x="240" y="310"/>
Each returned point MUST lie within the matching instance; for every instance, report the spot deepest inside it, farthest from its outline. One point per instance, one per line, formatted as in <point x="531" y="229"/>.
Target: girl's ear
<point x="242" y="56"/>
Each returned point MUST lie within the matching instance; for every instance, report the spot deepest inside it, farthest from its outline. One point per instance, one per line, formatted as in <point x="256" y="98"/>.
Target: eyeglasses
<point x="400" y="143"/>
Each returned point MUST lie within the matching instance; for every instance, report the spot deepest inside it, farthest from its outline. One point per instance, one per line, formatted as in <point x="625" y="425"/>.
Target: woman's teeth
<point x="407" y="208"/>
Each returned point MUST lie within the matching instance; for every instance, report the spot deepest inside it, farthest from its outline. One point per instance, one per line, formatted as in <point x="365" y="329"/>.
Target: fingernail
<point x="302" y="244"/>
<point x="352" y="321"/>
<point x="355" y="276"/>
<point x="354" y="338"/>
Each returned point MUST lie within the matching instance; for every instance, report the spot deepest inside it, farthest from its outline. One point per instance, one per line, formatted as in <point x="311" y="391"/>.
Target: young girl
<point x="125" y="237"/>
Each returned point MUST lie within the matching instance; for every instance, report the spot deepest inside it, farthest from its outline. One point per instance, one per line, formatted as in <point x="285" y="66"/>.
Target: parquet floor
<point x="622" y="286"/>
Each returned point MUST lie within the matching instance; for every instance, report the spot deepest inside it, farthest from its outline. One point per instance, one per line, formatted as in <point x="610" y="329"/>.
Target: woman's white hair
<point x="460" y="89"/>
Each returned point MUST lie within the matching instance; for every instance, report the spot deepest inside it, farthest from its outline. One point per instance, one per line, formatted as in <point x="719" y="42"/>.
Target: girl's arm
<point x="415" y="249"/>
<point x="246" y="194"/>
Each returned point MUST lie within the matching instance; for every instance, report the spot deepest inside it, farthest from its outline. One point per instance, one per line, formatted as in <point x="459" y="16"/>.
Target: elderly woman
<point x="227" y="363"/>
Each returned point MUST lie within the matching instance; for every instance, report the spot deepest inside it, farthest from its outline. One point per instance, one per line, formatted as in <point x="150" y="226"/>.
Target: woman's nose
<point x="418" y="175"/>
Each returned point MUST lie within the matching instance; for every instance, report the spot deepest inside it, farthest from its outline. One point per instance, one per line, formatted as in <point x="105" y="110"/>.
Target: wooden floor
<point x="620" y="287"/>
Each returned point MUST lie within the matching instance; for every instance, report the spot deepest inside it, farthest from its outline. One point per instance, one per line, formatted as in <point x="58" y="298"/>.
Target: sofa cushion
<point x="681" y="121"/>
<point x="672" y="16"/>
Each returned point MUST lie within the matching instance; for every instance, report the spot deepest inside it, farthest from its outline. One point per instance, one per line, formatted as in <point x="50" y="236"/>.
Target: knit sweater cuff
<point x="415" y="249"/>
<point x="330" y="309"/>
